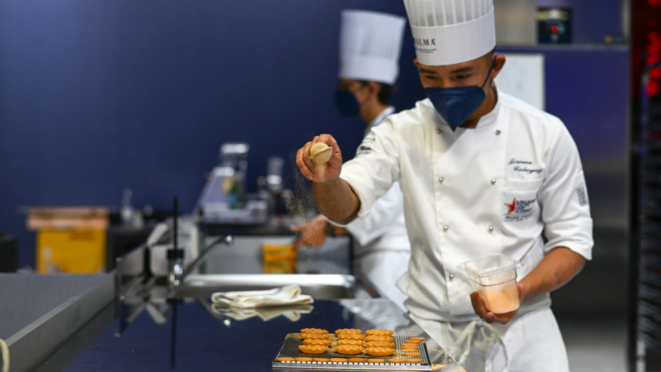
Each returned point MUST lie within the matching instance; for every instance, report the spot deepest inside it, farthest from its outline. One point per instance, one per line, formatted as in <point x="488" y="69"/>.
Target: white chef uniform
<point x="473" y="192"/>
<point x="370" y="47"/>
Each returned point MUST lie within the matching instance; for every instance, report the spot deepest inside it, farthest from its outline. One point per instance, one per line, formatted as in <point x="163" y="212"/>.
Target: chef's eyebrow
<point x="463" y="69"/>
<point x="425" y="71"/>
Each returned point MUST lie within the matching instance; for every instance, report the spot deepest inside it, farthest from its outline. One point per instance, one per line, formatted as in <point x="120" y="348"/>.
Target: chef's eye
<point x="431" y="77"/>
<point x="461" y="77"/>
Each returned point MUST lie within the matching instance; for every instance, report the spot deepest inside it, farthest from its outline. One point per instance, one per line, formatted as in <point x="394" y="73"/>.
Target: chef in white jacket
<point x="481" y="173"/>
<point x="370" y="47"/>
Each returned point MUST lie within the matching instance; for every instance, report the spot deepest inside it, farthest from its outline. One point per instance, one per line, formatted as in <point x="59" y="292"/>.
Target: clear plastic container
<point x="494" y="277"/>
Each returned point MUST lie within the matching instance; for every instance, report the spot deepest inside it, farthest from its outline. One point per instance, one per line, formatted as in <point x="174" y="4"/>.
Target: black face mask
<point x="346" y="103"/>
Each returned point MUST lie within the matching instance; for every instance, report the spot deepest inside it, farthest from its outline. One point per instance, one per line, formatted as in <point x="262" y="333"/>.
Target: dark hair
<point x="385" y="92"/>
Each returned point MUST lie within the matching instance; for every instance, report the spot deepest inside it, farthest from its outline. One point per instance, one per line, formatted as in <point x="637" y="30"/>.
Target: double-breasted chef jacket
<point x="497" y="188"/>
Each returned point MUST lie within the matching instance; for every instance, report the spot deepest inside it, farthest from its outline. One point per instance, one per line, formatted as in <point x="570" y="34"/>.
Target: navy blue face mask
<point x="346" y="103"/>
<point x="457" y="104"/>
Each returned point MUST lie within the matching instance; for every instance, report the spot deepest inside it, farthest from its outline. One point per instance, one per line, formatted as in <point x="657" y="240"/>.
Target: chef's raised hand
<point x="480" y="307"/>
<point x="313" y="233"/>
<point x="320" y="172"/>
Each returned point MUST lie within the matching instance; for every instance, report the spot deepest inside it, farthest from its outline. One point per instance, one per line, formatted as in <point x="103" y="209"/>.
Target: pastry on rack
<point x="349" y="349"/>
<point x="350" y="336"/>
<point x="351" y="342"/>
<point x="379" y="344"/>
<point x="380" y="351"/>
<point x="379" y="332"/>
<point x="313" y="349"/>
<point x="379" y="338"/>
<point x="314" y="336"/>
<point x="317" y="342"/>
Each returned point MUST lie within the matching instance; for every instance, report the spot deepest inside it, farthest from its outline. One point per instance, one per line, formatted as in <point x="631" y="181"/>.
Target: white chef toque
<point x="370" y="46"/>
<point x="447" y="32"/>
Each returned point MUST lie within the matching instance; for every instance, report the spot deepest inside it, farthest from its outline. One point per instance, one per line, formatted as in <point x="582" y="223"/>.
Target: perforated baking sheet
<point x="290" y="349"/>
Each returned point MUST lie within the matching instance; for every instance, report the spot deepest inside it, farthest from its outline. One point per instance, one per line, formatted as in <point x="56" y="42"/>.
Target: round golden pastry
<point x="357" y="360"/>
<point x="396" y="360"/>
<point x="414" y="346"/>
<point x="286" y="359"/>
<point x="412" y="341"/>
<point x="376" y="360"/>
<point x="338" y="360"/>
<point x="348" y="330"/>
<point x="350" y="336"/>
<point x="379" y="338"/>
<point x="351" y="342"/>
<point x="303" y="359"/>
<point x="313" y="330"/>
<point x="318" y="342"/>
<point x="379" y="344"/>
<point x="314" y="336"/>
<point x="380" y="351"/>
<point x="412" y="354"/>
<point x="410" y="348"/>
<point x="313" y="349"/>
<point x="414" y="360"/>
<point x="320" y="359"/>
<point x="349" y="349"/>
<point x="321" y="152"/>
<point x="418" y="338"/>
<point x="379" y="332"/>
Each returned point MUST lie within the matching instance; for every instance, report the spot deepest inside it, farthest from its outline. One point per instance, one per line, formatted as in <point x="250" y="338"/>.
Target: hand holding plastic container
<point x="494" y="278"/>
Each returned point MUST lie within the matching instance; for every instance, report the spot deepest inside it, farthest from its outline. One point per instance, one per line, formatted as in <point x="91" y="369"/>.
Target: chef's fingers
<point x="478" y="306"/>
<point x="297" y="228"/>
<point x="336" y="160"/>
<point x="302" y="165"/>
<point x="522" y="291"/>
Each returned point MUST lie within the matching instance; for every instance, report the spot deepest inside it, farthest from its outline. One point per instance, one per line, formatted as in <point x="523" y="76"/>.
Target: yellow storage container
<point x="71" y="251"/>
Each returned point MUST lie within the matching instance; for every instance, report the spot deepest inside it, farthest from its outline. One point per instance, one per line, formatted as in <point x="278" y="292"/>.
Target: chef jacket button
<point x="440" y="179"/>
<point x="490" y="228"/>
<point x="438" y="131"/>
<point x="497" y="132"/>
<point x="451" y="276"/>
<point x="446" y="227"/>
<point x="493" y="181"/>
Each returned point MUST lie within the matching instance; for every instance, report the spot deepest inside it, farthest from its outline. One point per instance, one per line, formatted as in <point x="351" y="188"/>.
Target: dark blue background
<point x="96" y="96"/>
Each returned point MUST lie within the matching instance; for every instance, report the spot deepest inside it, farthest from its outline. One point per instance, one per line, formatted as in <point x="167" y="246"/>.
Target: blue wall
<point x="96" y="96"/>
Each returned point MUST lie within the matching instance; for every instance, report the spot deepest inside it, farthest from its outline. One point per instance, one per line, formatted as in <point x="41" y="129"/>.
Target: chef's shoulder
<point x="406" y="120"/>
<point x="532" y="122"/>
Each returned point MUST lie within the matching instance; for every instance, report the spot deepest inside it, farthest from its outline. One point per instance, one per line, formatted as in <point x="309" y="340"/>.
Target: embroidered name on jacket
<point x="518" y="210"/>
<point x="523" y="166"/>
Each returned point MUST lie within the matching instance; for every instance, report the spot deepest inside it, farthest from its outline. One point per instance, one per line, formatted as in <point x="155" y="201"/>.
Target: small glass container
<point x="494" y="277"/>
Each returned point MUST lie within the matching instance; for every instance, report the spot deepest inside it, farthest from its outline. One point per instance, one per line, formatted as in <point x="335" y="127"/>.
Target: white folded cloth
<point x="293" y="313"/>
<point x="288" y="295"/>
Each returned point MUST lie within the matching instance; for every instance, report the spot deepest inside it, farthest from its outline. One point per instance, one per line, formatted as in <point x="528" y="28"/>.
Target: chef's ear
<point x="498" y="64"/>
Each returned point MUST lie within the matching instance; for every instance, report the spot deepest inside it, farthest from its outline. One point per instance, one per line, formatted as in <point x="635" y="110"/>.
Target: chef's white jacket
<point x="384" y="228"/>
<point x="474" y="192"/>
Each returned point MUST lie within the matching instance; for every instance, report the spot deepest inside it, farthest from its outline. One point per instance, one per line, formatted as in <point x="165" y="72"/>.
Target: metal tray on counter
<point x="293" y="340"/>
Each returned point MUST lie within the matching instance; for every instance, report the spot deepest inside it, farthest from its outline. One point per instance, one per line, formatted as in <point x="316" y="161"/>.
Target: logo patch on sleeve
<point x="582" y="195"/>
<point x="518" y="210"/>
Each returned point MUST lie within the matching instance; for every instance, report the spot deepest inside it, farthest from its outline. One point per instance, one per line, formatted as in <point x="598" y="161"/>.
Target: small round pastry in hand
<point x="349" y="349"/>
<point x="313" y="349"/>
<point x="320" y="153"/>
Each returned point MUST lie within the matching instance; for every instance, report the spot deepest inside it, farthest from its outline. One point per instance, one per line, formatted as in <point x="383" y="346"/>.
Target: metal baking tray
<point x="293" y="340"/>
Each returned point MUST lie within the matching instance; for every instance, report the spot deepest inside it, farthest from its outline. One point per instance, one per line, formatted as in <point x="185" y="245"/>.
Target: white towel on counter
<point x="293" y="313"/>
<point x="288" y="295"/>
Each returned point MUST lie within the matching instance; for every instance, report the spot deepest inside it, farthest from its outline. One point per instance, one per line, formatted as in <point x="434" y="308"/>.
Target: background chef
<point x="456" y="157"/>
<point x="370" y="47"/>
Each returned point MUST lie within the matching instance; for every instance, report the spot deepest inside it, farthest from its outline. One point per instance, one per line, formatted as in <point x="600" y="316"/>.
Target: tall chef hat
<point x="370" y="46"/>
<point x="448" y="32"/>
